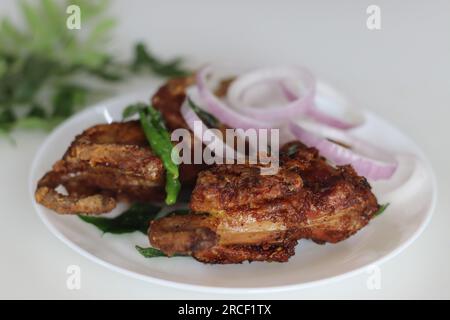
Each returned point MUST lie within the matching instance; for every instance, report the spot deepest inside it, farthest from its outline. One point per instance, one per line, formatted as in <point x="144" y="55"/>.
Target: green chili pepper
<point x="159" y="139"/>
<point x="173" y="187"/>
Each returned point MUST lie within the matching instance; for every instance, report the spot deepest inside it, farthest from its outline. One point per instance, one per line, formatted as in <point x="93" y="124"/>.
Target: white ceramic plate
<point x="411" y="193"/>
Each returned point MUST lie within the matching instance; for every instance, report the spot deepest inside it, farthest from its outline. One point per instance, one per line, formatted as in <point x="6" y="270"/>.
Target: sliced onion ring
<point x="325" y="94"/>
<point x="222" y="111"/>
<point x="329" y="120"/>
<point x="368" y="161"/>
<point x="301" y="100"/>
<point x="191" y="118"/>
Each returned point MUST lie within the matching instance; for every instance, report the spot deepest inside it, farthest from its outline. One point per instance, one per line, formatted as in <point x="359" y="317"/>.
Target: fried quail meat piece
<point x="104" y="163"/>
<point x="168" y="100"/>
<point x="204" y="237"/>
<point x="238" y="214"/>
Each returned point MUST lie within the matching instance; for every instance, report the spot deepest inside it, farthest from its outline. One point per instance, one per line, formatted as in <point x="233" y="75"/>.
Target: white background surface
<point x="401" y="72"/>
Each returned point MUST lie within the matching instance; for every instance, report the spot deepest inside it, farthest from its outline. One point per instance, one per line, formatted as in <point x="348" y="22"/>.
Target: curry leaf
<point x="206" y="117"/>
<point x="40" y="59"/>
<point x="150" y="252"/>
<point x="132" y="109"/>
<point x="144" y="59"/>
<point x="153" y="253"/>
<point x="381" y="209"/>
<point x="136" y="218"/>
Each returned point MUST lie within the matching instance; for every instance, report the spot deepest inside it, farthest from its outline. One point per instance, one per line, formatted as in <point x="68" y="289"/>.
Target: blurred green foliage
<point x="42" y="60"/>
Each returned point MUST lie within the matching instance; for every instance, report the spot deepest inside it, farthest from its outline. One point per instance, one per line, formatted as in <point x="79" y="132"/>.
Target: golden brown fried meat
<point x="105" y="162"/>
<point x="248" y="216"/>
<point x="202" y="236"/>
<point x="168" y="100"/>
<point x="47" y="195"/>
<point x="340" y="201"/>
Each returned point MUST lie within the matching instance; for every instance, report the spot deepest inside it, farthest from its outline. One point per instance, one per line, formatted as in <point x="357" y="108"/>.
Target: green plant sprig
<point x="41" y="63"/>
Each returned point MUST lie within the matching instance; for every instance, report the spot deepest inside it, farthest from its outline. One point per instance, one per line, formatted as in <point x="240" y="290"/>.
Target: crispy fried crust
<point x="234" y="253"/>
<point x="256" y="217"/>
<point x="90" y="202"/>
<point x="199" y="235"/>
<point x="169" y="98"/>
<point x="105" y="162"/>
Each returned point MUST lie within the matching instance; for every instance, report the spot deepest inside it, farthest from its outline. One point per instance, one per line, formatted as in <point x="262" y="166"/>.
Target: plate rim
<point x="219" y="289"/>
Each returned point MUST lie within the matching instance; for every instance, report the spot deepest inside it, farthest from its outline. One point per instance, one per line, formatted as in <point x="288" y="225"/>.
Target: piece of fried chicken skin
<point x="239" y="214"/>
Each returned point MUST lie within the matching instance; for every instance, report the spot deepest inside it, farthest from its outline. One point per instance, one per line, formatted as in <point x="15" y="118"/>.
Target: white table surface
<point x="402" y="72"/>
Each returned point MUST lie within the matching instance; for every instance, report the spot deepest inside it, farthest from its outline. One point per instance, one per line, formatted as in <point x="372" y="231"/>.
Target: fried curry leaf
<point x="206" y="117"/>
<point x="132" y="109"/>
<point x="150" y="252"/>
<point x="185" y="194"/>
<point x="144" y="59"/>
<point x="179" y="212"/>
<point x="382" y="208"/>
<point x="292" y="149"/>
<point x="153" y="253"/>
<point x="136" y="218"/>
